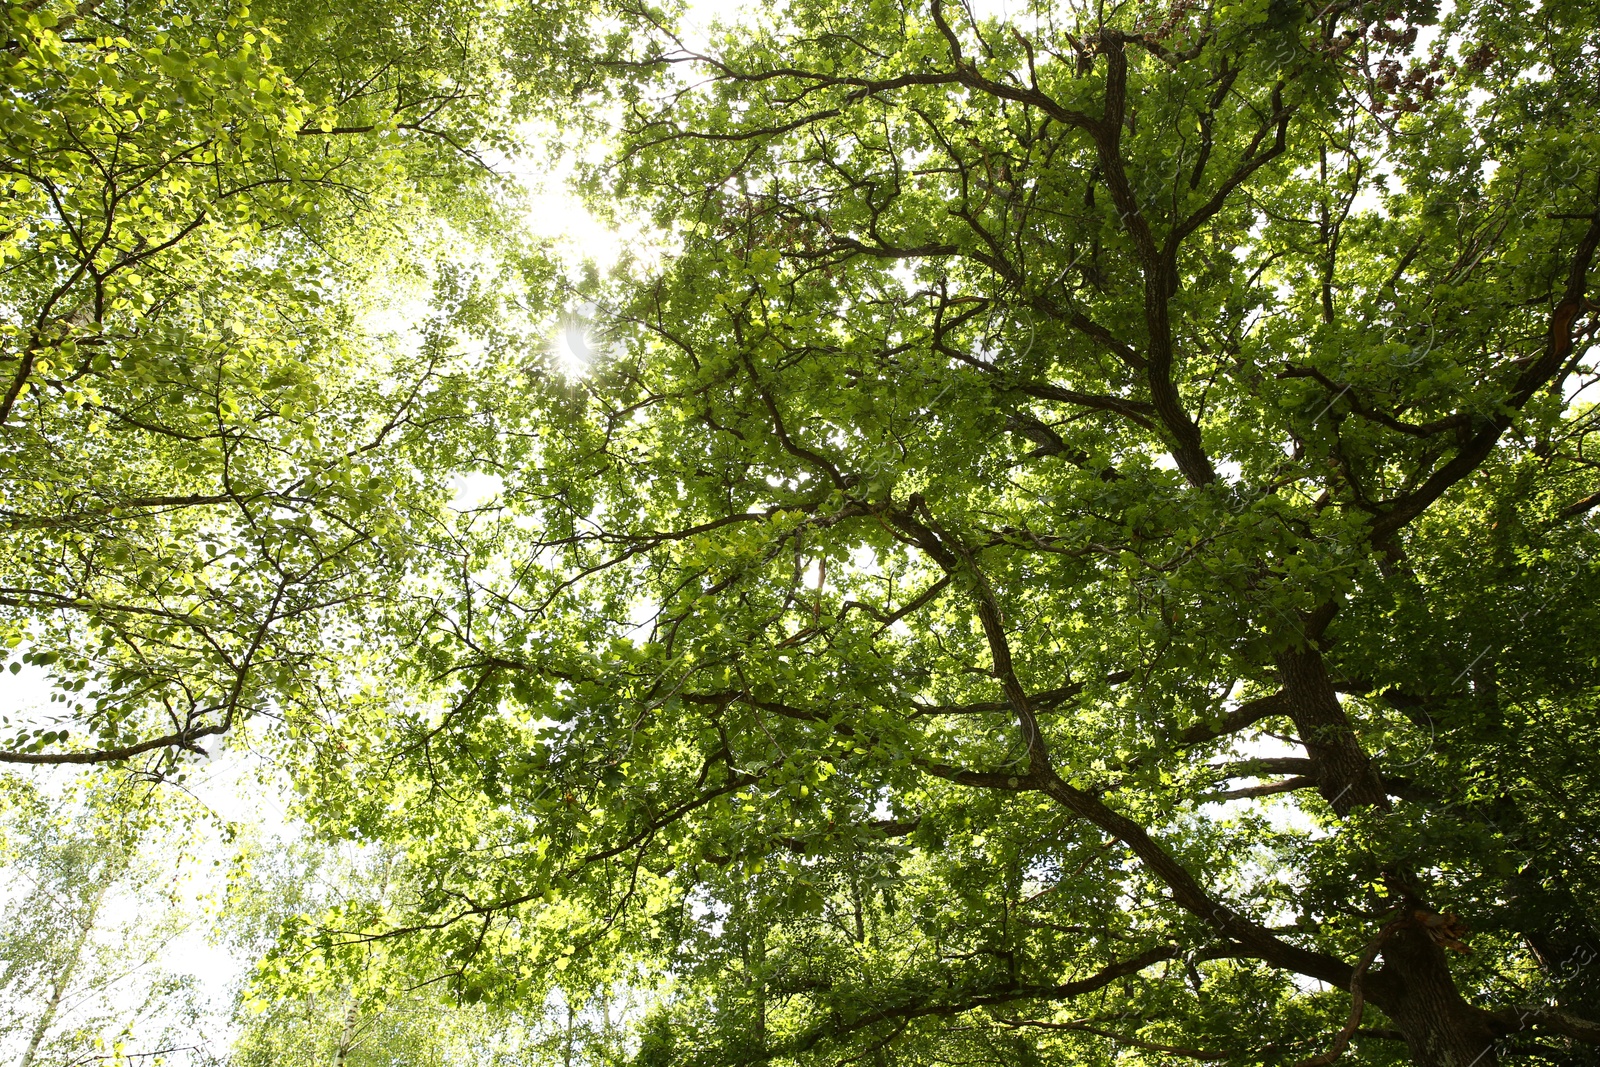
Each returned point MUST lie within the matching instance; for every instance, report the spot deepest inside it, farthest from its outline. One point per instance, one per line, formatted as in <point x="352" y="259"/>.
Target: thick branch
<point x="943" y="1004"/>
<point x="1288" y="785"/>
<point x="1187" y="893"/>
<point x="1553" y="1020"/>
<point x="183" y="739"/>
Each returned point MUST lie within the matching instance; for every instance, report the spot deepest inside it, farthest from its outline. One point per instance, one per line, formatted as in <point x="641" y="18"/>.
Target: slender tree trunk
<point x="855" y="898"/>
<point x="348" y="1038"/>
<point x="760" y="958"/>
<point x="63" y="977"/>
<point x="567" y="1059"/>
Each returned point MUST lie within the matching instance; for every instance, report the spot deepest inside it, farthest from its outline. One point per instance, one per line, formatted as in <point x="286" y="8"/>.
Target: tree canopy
<point x="1080" y="551"/>
<point x="212" y="453"/>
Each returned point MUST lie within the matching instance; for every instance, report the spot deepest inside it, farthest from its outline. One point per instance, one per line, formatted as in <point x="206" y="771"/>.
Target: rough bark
<point x="1418" y="992"/>
<point x="1415" y="986"/>
<point x="1345" y="774"/>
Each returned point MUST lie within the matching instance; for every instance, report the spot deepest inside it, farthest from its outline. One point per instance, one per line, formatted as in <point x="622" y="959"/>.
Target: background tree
<point x="1050" y="430"/>
<point x="369" y="1008"/>
<point x="96" y="899"/>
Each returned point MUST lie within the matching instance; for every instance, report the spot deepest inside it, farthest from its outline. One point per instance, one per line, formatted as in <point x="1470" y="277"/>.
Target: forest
<point x="899" y="533"/>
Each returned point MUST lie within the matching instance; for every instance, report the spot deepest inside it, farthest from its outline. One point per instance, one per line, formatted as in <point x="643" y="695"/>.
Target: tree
<point x="364" y="1009"/>
<point x="92" y="912"/>
<point x="1044" y="430"/>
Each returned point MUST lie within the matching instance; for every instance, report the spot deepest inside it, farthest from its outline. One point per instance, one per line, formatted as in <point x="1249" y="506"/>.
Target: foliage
<point x="95" y="903"/>
<point x="1046" y="429"/>
<point x="296" y="1010"/>
<point x="214" y="443"/>
<point x="1083" y="554"/>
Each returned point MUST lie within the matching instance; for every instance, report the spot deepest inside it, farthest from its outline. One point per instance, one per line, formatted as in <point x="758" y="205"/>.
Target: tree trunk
<point x="1418" y="992"/>
<point x="1345" y="775"/>
<point x="1415" y="986"/>
<point x="566" y="1054"/>
<point x="759" y="955"/>
<point x="347" y="1039"/>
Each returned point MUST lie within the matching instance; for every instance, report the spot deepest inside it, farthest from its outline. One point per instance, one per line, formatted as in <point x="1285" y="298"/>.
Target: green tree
<point x="1083" y="555"/>
<point x="93" y="907"/>
<point x="369" y="1008"/>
